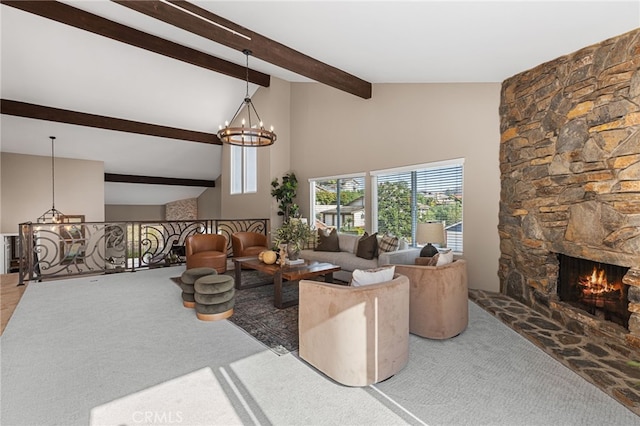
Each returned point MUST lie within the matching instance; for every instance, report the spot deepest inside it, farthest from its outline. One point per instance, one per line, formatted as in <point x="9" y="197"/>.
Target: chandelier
<point x="52" y="215"/>
<point x="252" y="133"/>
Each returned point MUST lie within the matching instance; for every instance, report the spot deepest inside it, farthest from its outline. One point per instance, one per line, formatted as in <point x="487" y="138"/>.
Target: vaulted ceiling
<point x="148" y="83"/>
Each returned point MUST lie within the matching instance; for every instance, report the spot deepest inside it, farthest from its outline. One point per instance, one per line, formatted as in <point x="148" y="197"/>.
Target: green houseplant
<point x="284" y="193"/>
<point x="295" y="234"/>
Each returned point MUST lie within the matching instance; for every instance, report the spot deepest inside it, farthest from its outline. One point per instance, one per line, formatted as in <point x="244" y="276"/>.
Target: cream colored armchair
<point x="355" y="335"/>
<point x="439" y="307"/>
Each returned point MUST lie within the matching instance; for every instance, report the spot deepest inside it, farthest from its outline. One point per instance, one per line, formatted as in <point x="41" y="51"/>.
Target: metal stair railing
<point x="58" y="250"/>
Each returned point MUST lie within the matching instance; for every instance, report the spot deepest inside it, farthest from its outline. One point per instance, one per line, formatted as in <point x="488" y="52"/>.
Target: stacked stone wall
<point x="182" y="209"/>
<point x="570" y="170"/>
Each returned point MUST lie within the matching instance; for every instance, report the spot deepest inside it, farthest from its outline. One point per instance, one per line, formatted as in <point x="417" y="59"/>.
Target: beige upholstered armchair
<point x="439" y="307"/>
<point x="355" y="335"/>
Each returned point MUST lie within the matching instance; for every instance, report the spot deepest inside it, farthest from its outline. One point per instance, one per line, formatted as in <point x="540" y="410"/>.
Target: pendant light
<point x="52" y="215"/>
<point x="252" y="131"/>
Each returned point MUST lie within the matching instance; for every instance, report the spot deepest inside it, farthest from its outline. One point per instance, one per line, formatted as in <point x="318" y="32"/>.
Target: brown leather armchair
<point x="248" y="243"/>
<point x="207" y="251"/>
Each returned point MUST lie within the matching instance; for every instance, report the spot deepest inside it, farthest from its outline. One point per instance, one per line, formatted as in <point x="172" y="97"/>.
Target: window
<point x="244" y="168"/>
<point x="338" y="202"/>
<point x="405" y="197"/>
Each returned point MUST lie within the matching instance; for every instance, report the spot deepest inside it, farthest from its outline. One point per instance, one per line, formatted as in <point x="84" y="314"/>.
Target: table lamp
<point x="430" y="233"/>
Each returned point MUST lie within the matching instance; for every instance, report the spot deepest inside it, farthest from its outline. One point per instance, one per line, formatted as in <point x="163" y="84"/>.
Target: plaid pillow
<point x="388" y="243"/>
<point x="313" y="242"/>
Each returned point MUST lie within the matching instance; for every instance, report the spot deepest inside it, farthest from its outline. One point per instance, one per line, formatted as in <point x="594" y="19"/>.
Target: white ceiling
<point x="48" y="63"/>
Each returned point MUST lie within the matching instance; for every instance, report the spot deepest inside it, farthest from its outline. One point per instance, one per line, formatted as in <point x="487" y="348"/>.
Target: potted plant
<point x="284" y="193"/>
<point x="295" y="234"/>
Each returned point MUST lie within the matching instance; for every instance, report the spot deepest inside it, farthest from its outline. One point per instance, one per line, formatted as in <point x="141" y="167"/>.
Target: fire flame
<point x="596" y="283"/>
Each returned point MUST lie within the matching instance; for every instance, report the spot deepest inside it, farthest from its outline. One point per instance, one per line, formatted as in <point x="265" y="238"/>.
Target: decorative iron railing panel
<point x="70" y="249"/>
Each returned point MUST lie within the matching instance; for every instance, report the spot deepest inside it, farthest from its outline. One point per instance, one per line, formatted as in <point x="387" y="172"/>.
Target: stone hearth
<point x="590" y="358"/>
<point x="570" y="175"/>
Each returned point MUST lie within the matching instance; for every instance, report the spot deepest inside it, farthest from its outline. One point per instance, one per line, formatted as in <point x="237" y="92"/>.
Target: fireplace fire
<point x="594" y="287"/>
<point x="597" y="284"/>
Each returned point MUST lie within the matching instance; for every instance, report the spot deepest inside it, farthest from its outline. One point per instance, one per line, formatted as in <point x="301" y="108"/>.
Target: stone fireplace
<point x="570" y="177"/>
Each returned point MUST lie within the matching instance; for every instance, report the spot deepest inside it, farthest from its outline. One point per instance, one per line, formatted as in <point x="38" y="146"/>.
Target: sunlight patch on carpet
<point x="193" y="399"/>
<point x="320" y="398"/>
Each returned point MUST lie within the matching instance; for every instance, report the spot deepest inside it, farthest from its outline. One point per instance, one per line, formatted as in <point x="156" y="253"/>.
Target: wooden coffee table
<point x="304" y="271"/>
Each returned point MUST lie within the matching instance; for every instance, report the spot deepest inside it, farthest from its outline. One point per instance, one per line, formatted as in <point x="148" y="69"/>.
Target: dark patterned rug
<point x="254" y="312"/>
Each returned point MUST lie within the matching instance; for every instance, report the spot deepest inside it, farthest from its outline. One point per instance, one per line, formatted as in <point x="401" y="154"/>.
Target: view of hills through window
<point x="426" y="194"/>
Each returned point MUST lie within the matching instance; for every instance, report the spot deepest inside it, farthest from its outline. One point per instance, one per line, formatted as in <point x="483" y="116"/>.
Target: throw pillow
<point x="444" y="257"/>
<point x="362" y="277"/>
<point x="434" y="260"/>
<point x="327" y="241"/>
<point x="368" y="246"/>
<point x="348" y="242"/>
<point x="404" y="244"/>
<point x="388" y="243"/>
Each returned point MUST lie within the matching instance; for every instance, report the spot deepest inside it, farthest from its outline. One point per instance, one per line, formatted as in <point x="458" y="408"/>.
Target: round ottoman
<point x="214" y="297"/>
<point x="188" y="279"/>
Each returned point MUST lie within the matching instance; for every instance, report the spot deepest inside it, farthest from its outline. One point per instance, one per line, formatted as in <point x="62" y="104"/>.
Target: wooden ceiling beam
<point x="237" y="37"/>
<point x="156" y="180"/>
<point x="23" y="109"/>
<point x="78" y="18"/>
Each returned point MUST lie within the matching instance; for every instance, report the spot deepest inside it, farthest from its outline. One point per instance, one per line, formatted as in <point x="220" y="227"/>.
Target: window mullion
<point x="243" y="175"/>
<point x="338" y="204"/>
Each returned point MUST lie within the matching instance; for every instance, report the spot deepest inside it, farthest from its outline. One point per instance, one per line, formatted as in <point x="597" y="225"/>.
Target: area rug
<point x="254" y="312"/>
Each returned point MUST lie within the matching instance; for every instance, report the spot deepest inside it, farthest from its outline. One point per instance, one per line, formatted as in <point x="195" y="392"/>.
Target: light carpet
<point x="121" y="350"/>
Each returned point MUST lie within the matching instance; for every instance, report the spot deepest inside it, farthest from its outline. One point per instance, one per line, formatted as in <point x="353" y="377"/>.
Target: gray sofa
<point x="346" y="258"/>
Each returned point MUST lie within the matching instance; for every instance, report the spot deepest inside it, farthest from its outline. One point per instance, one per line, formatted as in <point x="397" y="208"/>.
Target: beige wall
<point x="334" y="133"/>
<point x="280" y="153"/>
<point x="209" y="206"/>
<point x="26" y="188"/>
<point x="272" y="104"/>
<point x="128" y="213"/>
<point x="1" y="228"/>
